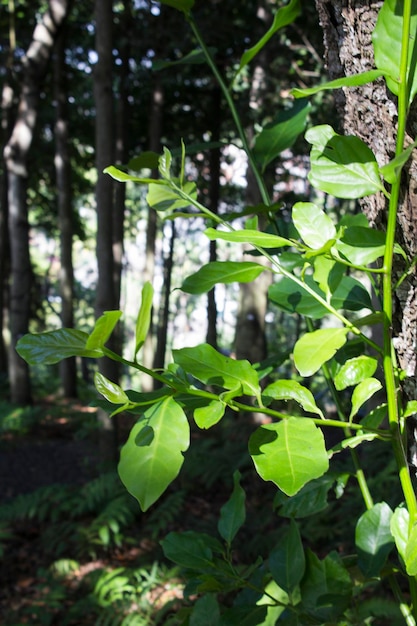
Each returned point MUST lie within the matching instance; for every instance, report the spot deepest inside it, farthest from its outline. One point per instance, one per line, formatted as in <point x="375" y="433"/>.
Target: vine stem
<point x="230" y="103"/>
<point x="389" y="358"/>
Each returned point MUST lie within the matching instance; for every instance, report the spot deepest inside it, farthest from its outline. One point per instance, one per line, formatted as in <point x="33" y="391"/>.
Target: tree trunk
<point x="370" y="112"/>
<point x="16" y="152"/>
<point x="104" y="141"/>
<point x="65" y="210"/>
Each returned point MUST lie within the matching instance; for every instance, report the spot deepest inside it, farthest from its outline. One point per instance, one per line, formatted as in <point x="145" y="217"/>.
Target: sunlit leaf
<point x="410" y="556"/>
<point x="233" y="513"/>
<point x="315" y="348"/>
<point x="399" y="529"/>
<point x="280" y="134"/>
<point x="373" y="539"/>
<point x="387" y="41"/>
<point x="102" y="330"/>
<point x="292" y="390"/>
<point x="314" y="226"/>
<point x="124" y="177"/>
<point x="289" y="453"/>
<point x="363" y="392"/>
<point x="354" y="371"/>
<point x="354" y="80"/>
<point x="392" y="170"/>
<point x="221" y="272"/>
<point x="164" y="198"/>
<point x="54" y="346"/>
<point x="343" y="166"/>
<point x="247" y="235"/>
<point x="208" y="415"/>
<point x="143" y="320"/>
<point x="111" y="391"/>
<point x="361" y="245"/>
<point x="146" y="471"/>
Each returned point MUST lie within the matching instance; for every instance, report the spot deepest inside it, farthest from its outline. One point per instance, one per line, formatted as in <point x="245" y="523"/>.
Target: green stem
<point x="389" y="360"/>
<point x="230" y="103"/>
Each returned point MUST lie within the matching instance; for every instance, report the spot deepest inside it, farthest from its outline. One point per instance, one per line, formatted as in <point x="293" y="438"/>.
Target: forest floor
<point x="48" y="453"/>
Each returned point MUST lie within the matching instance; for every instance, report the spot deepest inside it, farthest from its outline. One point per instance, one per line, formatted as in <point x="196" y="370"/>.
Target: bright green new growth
<point x="294" y="586"/>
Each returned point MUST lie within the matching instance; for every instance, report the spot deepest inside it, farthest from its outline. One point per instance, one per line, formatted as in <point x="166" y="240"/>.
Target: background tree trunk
<point x="106" y="299"/>
<point x="16" y="152"/>
<point x="370" y="112"/>
<point x="65" y="210"/>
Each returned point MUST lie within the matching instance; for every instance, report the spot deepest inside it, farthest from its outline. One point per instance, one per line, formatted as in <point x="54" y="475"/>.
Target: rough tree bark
<point x="370" y="112"/>
<point x="35" y="64"/>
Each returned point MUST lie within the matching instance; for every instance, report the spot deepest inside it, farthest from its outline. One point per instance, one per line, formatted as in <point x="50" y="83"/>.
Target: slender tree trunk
<point x="104" y="139"/>
<point x="65" y="210"/>
<point x="370" y="112"/>
<point x="163" y="313"/>
<point x="214" y="195"/>
<point x="16" y="152"/>
<point x="155" y="131"/>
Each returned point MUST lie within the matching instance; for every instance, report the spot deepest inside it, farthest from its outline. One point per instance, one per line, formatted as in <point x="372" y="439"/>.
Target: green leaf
<point x="315" y="348"/>
<point x="181" y="5"/>
<point x="410" y="556"/>
<point x="292" y="298"/>
<point x="373" y="539"/>
<point x="354" y="371"/>
<point x="124" y="177"/>
<point x="247" y="235"/>
<point x="102" y="330"/>
<point x="143" y="321"/>
<point x="361" y="245"/>
<point x="284" y="16"/>
<point x="392" y="170"/>
<point x="289" y="453"/>
<point x="221" y="272"/>
<point x="375" y="417"/>
<point x="189" y="549"/>
<point x="146" y="471"/>
<point x="326" y="588"/>
<point x="233" y="513"/>
<point x="287" y="560"/>
<point x="212" y="368"/>
<point x="311" y="499"/>
<point x="292" y="390"/>
<point x="347" y="81"/>
<point x="387" y="41"/>
<point x="410" y="408"/>
<point x="399" y="529"/>
<point x="207" y="416"/>
<point x="314" y="226"/>
<point x="162" y="197"/>
<point x="145" y="160"/>
<point x="247" y="615"/>
<point x="206" y="612"/>
<point x="195" y="57"/>
<point x="343" y="166"/>
<point x="54" y="346"/>
<point x="280" y="134"/>
<point x="365" y="390"/>
<point x="111" y="391"/>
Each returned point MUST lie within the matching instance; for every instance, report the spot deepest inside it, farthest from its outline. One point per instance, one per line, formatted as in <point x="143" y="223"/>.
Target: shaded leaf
<point x="280" y="134"/>
<point x="189" y="549"/>
<point x="221" y="272"/>
<point x="312" y="498"/>
<point x="361" y="245"/>
<point x="54" y="346"/>
<point x="289" y="453"/>
<point x="182" y="5"/>
<point x="284" y="16"/>
<point x="233" y="513"/>
<point x="143" y="320"/>
<point x="286" y="560"/>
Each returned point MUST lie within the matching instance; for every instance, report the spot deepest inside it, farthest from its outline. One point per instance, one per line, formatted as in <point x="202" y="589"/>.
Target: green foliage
<point x="318" y="273"/>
